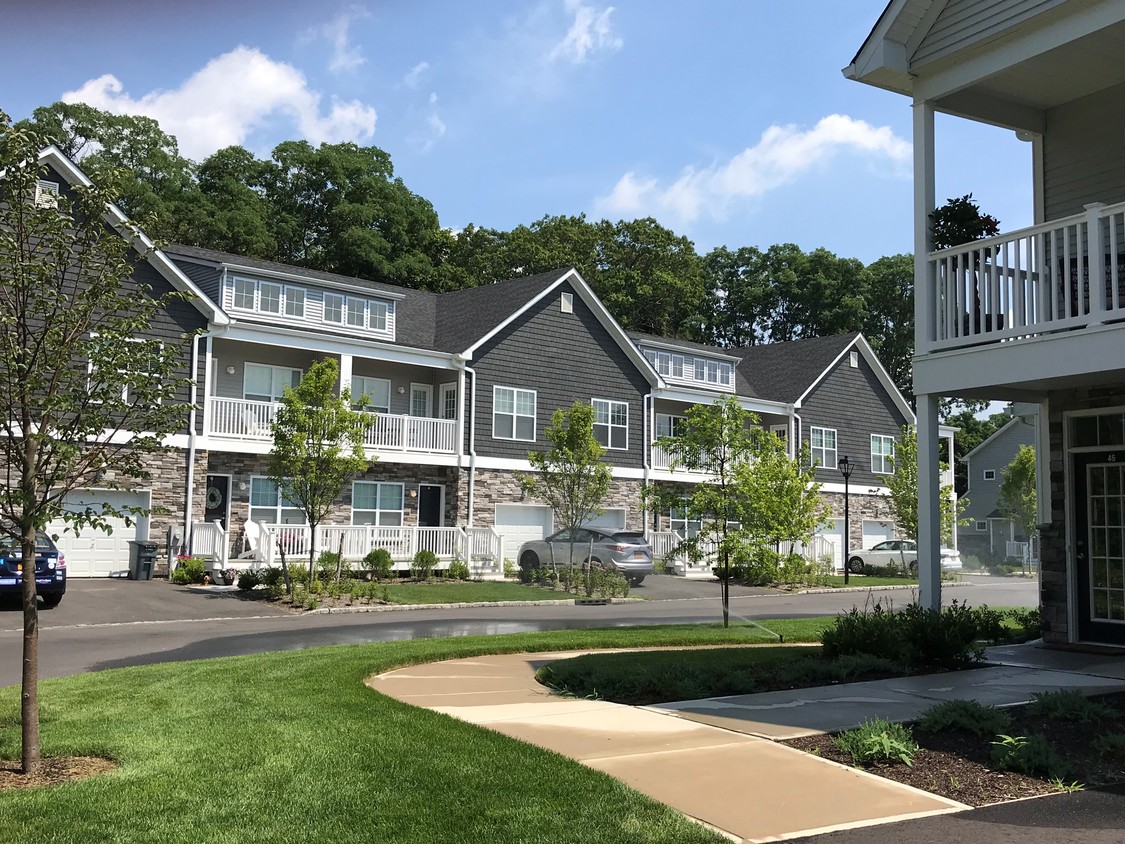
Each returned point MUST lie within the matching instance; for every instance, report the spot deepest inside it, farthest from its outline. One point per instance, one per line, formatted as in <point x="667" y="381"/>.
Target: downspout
<point x="206" y="336"/>
<point x="649" y="409"/>
<point x="462" y="364"/>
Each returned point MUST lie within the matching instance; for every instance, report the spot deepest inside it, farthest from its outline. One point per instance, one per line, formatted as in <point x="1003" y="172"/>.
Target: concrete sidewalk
<point x="717" y="760"/>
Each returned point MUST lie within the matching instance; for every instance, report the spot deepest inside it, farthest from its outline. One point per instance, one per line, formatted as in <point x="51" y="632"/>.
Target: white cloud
<point x="434" y="130"/>
<point x="414" y="76"/>
<point x="590" y="32"/>
<point x="781" y="155"/>
<point x="208" y="111"/>
<point x="345" y="55"/>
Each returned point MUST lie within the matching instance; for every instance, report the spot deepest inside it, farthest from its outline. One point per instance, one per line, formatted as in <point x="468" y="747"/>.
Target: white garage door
<point x="874" y="532"/>
<point x="833" y="532"/>
<point x="98" y="553"/>
<point x="520" y="523"/>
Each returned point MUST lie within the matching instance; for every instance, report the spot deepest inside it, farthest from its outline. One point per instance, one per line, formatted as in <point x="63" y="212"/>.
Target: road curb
<point x="402" y="607"/>
<point x="834" y="590"/>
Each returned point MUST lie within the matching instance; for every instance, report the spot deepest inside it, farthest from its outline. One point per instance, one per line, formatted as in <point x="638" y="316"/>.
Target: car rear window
<point x="636" y="537"/>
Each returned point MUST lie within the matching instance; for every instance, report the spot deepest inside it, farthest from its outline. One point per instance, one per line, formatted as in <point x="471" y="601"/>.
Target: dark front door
<point x="1099" y="544"/>
<point x="217" y="501"/>
<point x="429" y="505"/>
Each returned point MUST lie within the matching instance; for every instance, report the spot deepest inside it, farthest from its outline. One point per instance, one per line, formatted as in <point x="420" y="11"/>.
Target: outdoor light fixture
<point x="230" y="370"/>
<point x="401" y="389"/>
<point x="846" y="466"/>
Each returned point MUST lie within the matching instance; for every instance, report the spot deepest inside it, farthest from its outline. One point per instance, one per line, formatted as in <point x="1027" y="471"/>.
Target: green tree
<point x="1017" y="490"/>
<point x="972" y="430"/>
<point x="783" y="495"/>
<point x="571" y="478"/>
<point x="889" y="321"/>
<point x="317" y="445"/>
<point x="740" y="297"/>
<point x="715" y="439"/>
<point x="81" y="369"/>
<point x="903" y="486"/>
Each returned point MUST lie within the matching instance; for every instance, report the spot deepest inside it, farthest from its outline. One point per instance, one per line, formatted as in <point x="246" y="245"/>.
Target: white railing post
<point x="1095" y="260"/>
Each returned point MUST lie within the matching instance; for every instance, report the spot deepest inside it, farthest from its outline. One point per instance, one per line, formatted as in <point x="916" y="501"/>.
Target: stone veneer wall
<point x="495" y="486"/>
<point x="241" y="467"/>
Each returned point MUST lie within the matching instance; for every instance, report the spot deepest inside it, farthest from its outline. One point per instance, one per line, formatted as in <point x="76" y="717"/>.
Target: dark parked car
<point x="50" y="569"/>
<point x="625" y="551"/>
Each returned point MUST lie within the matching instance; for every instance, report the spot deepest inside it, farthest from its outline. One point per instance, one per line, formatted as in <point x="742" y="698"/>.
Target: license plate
<point x="638" y="555"/>
<point x="9" y="581"/>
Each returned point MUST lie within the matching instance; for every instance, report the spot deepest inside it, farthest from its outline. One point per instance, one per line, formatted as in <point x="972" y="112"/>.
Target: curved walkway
<point x="729" y="777"/>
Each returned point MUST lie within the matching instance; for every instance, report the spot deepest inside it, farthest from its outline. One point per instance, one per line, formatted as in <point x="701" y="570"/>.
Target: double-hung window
<point x="375" y="503"/>
<point x="267" y="383"/>
<point x="268" y="504"/>
<point x="371" y="394"/>
<point x="245" y="290"/>
<point x="611" y="423"/>
<point x="668" y="425"/>
<point x="513" y="414"/>
<point x="132" y="364"/>
<point x="822" y="443"/>
<point x="882" y="454"/>
<point x="269" y="297"/>
<point x="334" y="308"/>
<point x="295" y="302"/>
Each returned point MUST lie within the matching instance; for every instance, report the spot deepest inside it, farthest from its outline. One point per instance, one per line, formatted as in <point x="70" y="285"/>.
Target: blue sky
<point x="729" y="121"/>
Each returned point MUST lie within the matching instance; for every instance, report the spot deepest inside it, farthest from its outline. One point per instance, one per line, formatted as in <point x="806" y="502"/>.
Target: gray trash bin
<point x="142" y="559"/>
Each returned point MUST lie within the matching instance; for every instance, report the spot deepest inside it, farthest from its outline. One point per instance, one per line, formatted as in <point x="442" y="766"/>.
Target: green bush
<point x="378" y="561"/>
<point x="299" y="574"/>
<point x="1029" y="621"/>
<point x="878" y="741"/>
<point x="247" y="580"/>
<point x="422" y="567"/>
<point x="457" y="571"/>
<point x="1031" y="755"/>
<point x="1070" y="705"/>
<point x="327" y="564"/>
<point x="917" y="637"/>
<point x="1113" y="746"/>
<point x="883" y="571"/>
<point x="968" y="715"/>
<point x="189" y="570"/>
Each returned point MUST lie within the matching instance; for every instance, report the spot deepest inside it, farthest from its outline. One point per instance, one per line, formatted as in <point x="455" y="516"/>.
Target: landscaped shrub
<point x="1031" y="755"/>
<point x="299" y="574"/>
<point x="1029" y="621"/>
<point x="883" y="571"/>
<point x="968" y="715"/>
<point x="947" y="638"/>
<point x="1070" y="705"/>
<point x="378" y="561"/>
<point x="878" y="741"/>
<point x="328" y="563"/>
<point x="189" y="570"/>
<point x="457" y="571"/>
<point x="248" y="580"/>
<point x="1113" y="746"/>
<point x="422" y="567"/>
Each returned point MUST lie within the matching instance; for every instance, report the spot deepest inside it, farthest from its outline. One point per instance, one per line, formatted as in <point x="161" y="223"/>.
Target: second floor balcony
<point x="249" y="420"/>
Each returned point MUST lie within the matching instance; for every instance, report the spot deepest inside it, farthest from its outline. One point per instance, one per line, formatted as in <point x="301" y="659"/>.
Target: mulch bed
<point x="957" y="764"/>
<point x="53" y="770"/>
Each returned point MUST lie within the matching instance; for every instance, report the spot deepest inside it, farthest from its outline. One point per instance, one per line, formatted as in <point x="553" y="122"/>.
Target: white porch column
<point x="345" y="372"/>
<point x="925" y="288"/>
<point x="929" y="503"/>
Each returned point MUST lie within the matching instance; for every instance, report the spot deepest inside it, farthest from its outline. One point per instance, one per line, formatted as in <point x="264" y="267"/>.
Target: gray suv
<point x="625" y="551"/>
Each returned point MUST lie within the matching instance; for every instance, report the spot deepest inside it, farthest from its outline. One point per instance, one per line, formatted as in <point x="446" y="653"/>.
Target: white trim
<point x="690" y="396"/>
<point x="164" y="265"/>
<point x="610" y="425"/>
<point x="377" y="509"/>
<point x="250" y="506"/>
<point x="428" y="390"/>
<point x="357" y="394"/>
<point x="671" y="345"/>
<point x="835" y="448"/>
<point x="369" y="349"/>
<point x="515" y="416"/>
<point x="988" y="475"/>
<point x="1014" y="420"/>
<point x="882" y="456"/>
<point x="876" y="367"/>
<point x="444" y="390"/>
<point x="274" y="369"/>
<point x="291" y="277"/>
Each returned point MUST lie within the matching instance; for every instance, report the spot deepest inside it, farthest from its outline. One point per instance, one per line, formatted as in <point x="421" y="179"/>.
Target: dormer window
<point x="354" y="312"/>
<point x="688" y="368"/>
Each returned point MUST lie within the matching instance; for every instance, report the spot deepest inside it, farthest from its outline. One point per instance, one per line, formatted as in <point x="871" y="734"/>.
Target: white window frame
<point x="279" y="508"/>
<point x="275" y="395"/>
<point x="608" y="406"/>
<point x="293" y="296"/>
<point x="359" y="390"/>
<point x="378" y="312"/>
<point x="823" y="450"/>
<point x="885" y="464"/>
<point x="673" y="421"/>
<point x="989" y="474"/>
<point x="689" y="368"/>
<point x="238" y="281"/>
<point x="378" y="513"/>
<point x="355" y="307"/>
<point x="982" y="526"/>
<point x="280" y="298"/>
<point x="342" y="306"/>
<point x="125" y="373"/>
<point x="428" y="391"/>
<point x="445" y="391"/>
<point x="515" y="414"/>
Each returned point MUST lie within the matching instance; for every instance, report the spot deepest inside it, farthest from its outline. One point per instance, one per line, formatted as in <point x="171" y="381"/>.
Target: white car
<point x="898" y="553"/>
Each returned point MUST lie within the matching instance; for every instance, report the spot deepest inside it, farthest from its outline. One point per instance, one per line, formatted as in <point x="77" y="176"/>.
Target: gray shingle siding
<point x="995" y="456"/>
<point x="856" y="404"/>
<point x="966" y="22"/>
<point x="206" y="277"/>
<point x="563" y="357"/>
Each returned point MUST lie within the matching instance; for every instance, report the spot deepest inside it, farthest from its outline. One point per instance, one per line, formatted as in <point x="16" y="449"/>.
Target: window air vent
<point x="46" y="194"/>
<point x="568" y="303"/>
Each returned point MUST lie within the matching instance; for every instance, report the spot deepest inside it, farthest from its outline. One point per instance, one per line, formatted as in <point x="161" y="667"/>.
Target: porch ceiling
<point x="1082" y="67"/>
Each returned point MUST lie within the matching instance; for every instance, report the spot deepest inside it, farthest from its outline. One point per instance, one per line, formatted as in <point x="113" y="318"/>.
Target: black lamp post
<point x="846" y="467"/>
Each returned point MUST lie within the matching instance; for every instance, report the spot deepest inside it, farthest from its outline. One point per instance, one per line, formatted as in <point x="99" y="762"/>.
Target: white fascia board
<point x="856" y="489"/>
<point x="879" y="53"/>
<point x="117" y="220"/>
<point x="599" y="310"/>
<point x="705" y="398"/>
<point x="224" y="445"/>
<point x="987" y="442"/>
<point x="869" y="355"/>
<point x="673" y="346"/>
<point x="509" y="464"/>
<point x="358" y="289"/>
<point x="292" y="338"/>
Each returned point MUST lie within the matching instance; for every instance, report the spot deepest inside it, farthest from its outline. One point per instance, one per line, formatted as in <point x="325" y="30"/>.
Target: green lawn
<point x="292" y="747"/>
<point x="468" y="592"/>
<point x="837" y="580"/>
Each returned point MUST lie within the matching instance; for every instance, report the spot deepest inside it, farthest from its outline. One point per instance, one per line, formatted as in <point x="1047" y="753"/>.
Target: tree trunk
<point x="340" y="558"/>
<point x="284" y="568"/>
<point x="312" y="553"/>
<point x="29" y="700"/>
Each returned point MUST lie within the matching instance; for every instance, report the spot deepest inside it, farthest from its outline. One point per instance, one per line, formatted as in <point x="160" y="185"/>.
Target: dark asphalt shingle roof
<point x="784" y="371"/>
<point x="465" y="316"/>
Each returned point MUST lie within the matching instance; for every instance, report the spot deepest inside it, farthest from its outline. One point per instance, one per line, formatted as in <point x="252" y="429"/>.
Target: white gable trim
<point x="860" y="343"/>
<point x="116" y="218"/>
<point x="603" y="316"/>
<point x="995" y="434"/>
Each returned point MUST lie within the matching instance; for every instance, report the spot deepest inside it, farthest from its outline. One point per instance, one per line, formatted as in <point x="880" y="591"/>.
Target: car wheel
<point x="51" y="601"/>
<point x="529" y="560"/>
<point x="595" y="563"/>
<point x="855" y="565"/>
<point x="636" y="579"/>
<point x="912" y="567"/>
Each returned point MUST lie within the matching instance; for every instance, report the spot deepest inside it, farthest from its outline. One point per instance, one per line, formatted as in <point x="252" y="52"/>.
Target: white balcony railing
<point x="663" y="458"/>
<point x="244" y="419"/>
<point x="1029" y="282"/>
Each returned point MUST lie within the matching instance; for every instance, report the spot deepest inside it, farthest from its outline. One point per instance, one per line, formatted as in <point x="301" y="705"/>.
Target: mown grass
<point x="457" y="593"/>
<point x="857" y="580"/>
<point x="292" y="747"/>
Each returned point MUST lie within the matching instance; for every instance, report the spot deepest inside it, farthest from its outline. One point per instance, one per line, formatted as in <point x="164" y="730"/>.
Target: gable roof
<point x="118" y="221"/>
<point x="987" y="443"/>
<point x="465" y="317"/>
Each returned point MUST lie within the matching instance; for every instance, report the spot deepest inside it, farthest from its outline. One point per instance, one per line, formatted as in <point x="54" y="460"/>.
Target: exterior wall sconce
<point x="413" y="493"/>
<point x="401" y="389"/>
<point x="230" y="369"/>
